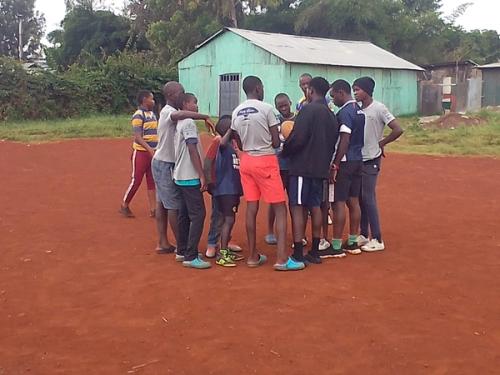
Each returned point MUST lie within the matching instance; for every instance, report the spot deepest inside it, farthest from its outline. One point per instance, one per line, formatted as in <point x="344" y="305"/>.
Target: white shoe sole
<point x="354" y="252"/>
<point x="371" y="249"/>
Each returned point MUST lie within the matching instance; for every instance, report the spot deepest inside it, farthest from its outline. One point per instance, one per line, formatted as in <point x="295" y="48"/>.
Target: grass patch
<point x="98" y="126"/>
<point x="463" y="140"/>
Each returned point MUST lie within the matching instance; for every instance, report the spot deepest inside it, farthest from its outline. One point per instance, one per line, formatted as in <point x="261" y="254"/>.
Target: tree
<point x="87" y="33"/>
<point x="12" y="13"/>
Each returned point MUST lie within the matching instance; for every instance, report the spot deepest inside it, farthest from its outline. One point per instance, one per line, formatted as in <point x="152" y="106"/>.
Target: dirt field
<point x="82" y="292"/>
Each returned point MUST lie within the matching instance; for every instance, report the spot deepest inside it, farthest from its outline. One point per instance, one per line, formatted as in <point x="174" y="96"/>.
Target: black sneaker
<point x="302" y="259"/>
<point x="332" y="253"/>
<point x="312" y="258"/>
<point x="351" y="249"/>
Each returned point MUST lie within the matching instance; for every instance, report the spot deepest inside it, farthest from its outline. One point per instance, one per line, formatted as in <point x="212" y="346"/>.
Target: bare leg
<point x="172" y="218"/>
<point x="354" y="215"/>
<point x="225" y="234"/>
<point x="152" y="200"/>
<point x="325" y="211"/>
<point x="251" y="219"/>
<point x="339" y="219"/>
<point x="161" y="226"/>
<point x="316" y="221"/>
<point x="271" y="216"/>
<point x="281" y="218"/>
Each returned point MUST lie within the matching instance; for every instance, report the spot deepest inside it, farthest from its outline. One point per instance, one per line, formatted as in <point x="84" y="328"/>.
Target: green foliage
<point x="11" y="13"/>
<point x="85" y="31"/>
<point x="108" y="87"/>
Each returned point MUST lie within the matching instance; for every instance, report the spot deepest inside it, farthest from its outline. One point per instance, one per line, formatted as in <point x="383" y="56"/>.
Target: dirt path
<point x="82" y="292"/>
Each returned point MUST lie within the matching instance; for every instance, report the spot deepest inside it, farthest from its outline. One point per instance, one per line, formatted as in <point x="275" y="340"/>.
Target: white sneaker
<point x="323" y="244"/>
<point x="362" y="240"/>
<point x="373" y="245"/>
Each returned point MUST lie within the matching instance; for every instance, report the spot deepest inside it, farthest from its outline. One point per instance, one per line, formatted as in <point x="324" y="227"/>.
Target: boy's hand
<point x="333" y="174"/>
<point x="203" y="182"/>
<point x="210" y="126"/>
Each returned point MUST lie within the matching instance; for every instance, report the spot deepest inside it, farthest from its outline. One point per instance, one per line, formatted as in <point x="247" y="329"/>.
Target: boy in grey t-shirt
<point x="190" y="181"/>
<point x="377" y="116"/>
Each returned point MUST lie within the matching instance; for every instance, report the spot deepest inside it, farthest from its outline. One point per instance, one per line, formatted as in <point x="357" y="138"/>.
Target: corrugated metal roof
<point x="490" y="66"/>
<point x="309" y="50"/>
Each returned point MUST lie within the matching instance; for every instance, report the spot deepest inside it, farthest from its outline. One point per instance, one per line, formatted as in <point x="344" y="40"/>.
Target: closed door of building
<point x="229" y="93"/>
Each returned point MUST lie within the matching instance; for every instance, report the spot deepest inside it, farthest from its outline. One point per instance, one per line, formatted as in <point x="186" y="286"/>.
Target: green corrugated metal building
<point x="215" y="70"/>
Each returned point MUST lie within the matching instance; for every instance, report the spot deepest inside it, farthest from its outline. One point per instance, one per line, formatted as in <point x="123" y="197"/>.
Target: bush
<point x="97" y="87"/>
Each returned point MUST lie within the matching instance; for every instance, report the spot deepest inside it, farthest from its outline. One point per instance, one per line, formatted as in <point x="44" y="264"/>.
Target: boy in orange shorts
<point x="255" y="127"/>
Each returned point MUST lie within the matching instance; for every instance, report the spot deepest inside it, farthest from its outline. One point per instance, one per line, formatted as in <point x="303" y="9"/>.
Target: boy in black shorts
<point x="227" y="191"/>
<point x="346" y="170"/>
<point x="310" y="148"/>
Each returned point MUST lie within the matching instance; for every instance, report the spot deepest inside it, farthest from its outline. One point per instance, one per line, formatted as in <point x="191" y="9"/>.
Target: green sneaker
<point x="224" y="259"/>
<point x="234" y="256"/>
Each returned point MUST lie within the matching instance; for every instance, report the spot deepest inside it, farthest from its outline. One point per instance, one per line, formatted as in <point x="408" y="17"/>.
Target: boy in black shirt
<point x="310" y="148"/>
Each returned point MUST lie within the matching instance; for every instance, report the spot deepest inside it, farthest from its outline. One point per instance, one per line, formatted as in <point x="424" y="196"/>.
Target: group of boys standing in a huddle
<point x="328" y="161"/>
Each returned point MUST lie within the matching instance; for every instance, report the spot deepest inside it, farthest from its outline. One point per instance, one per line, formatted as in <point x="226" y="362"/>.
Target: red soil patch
<point x="82" y="291"/>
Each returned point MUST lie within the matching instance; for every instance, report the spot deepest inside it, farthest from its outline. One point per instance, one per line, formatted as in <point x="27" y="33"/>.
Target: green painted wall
<point x="229" y="53"/>
<point x="199" y="73"/>
<point x="397" y="89"/>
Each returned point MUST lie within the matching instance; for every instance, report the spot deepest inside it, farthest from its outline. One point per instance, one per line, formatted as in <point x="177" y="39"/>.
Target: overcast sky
<point x="483" y="14"/>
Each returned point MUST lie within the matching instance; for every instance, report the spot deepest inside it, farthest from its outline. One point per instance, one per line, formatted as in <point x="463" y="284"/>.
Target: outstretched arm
<point x="182" y="115"/>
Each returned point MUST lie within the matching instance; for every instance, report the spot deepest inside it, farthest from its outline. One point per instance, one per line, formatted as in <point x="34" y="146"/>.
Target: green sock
<point x="353" y="238"/>
<point x="337" y="243"/>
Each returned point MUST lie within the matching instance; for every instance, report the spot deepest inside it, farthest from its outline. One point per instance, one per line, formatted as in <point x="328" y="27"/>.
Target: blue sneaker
<point x="197" y="263"/>
<point x="290" y="265"/>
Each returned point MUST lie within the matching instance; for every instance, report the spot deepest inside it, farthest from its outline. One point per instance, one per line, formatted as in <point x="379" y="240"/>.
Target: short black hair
<point x="320" y="85"/>
<point x="184" y="98"/>
<point x="341" y="85"/>
<point x="281" y="95"/>
<point x="223" y="125"/>
<point x="143" y="94"/>
<point x="250" y="83"/>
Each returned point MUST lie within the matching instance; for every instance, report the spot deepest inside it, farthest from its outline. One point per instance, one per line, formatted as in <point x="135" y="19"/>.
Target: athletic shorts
<point x="348" y="184"/>
<point x="260" y="177"/>
<point x="228" y="204"/>
<point x="166" y="191"/>
<point x="285" y="178"/>
<point x="305" y="191"/>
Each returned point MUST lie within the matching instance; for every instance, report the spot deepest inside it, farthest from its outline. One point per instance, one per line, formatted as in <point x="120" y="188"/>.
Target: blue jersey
<point x="352" y="120"/>
<point x="227" y="172"/>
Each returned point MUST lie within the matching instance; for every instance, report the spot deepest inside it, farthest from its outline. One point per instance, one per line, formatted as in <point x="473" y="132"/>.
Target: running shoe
<point x="235" y="256"/>
<point x="197" y="263"/>
<point x="179" y="258"/>
<point x="373" y="245"/>
<point x="312" y="258"/>
<point x="324" y="244"/>
<point x="211" y="251"/>
<point x="351" y="249"/>
<point x="362" y="240"/>
<point x="332" y="253"/>
<point x="224" y="259"/>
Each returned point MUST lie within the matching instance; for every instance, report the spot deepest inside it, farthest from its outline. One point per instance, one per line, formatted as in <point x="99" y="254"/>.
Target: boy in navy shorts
<point x="310" y="148"/>
<point x="346" y="170"/>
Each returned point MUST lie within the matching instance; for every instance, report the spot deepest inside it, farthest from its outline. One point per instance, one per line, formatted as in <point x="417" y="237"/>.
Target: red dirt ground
<point x="82" y="292"/>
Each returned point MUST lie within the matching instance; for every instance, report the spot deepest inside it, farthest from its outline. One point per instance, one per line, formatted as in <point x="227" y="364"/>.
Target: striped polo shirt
<point x="145" y="121"/>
